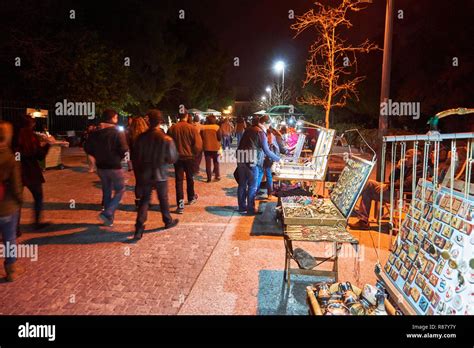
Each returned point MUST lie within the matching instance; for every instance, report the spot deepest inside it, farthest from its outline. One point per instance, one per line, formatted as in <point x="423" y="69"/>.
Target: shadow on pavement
<point x="91" y="234"/>
<point x="275" y="298"/>
<point x="79" y="206"/>
<point x="266" y="224"/>
<point x="221" y="210"/>
<point x="230" y="192"/>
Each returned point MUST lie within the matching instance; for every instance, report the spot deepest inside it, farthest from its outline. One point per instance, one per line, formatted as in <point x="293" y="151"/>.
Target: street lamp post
<point x="280" y="66"/>
<point x="385" y="88"/>
<point x="269" y="91"/>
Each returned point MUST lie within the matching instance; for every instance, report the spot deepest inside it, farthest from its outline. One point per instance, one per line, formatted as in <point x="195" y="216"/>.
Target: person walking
<point x="211" y="140"/>
<point x="250" y="157"/>
<point x="90" y="160"/>
<point x="137" y="127"/>
<point x="109" y="146"/>
<point x="153" y="152"/>
<point x="189" y="144"/>
<point x="32" y="151"/>
<point x="226" y="130"/>
<point x="197" y="124"/>
<point x="240" y="129"/>
<point x="10" y="200"/>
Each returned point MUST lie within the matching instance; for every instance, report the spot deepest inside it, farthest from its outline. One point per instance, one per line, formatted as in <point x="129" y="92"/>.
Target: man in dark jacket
<point x="253" y="148"/>
<point x="153" y="152"/>
<point x="108" y="146"/>
<point x="188" y="143"/>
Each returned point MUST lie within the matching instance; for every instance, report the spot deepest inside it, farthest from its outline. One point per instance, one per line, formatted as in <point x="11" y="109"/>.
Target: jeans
<point x="111" y="180"/>
<point x="197" y="163"/>
<point x="181" y="168"/>
<point x="226" y="141"/>
<point x="269" y="184"/>
<point x="161" y="188"/>
<point x="247" y="190"/>
<point x="239" y="137"/>
<point x="8" y="225"/>
<point x="212" y="157"/>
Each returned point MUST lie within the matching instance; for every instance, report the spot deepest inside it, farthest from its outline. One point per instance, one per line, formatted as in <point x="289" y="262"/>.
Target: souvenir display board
<point x="352" y="180"/>
<point x="432" y="264"/>
<point x="336" y="209"/>
<point x="297" y="152"/>
<point x="311" y="170"/>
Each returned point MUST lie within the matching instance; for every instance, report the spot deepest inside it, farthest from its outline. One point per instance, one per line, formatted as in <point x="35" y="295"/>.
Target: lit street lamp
<point x="280" y="67"/>
<point x="269" y="91"/>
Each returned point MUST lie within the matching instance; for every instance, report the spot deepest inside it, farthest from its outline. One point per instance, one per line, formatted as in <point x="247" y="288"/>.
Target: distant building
<point x="243" y="108"/>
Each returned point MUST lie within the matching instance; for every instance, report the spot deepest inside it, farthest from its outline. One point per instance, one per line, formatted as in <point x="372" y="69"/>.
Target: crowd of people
<point x="150" y="148"/>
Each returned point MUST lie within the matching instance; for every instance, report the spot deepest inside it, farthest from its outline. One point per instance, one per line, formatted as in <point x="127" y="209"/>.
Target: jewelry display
<point x="313" y="169"/>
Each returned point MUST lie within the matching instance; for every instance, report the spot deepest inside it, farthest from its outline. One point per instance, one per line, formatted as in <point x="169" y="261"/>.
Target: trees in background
<point x="332" y="61"/>
<point x="130" y="60"/>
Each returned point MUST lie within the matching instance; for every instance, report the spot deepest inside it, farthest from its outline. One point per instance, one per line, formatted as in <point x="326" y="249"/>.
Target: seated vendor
<point x="371" y="191"/>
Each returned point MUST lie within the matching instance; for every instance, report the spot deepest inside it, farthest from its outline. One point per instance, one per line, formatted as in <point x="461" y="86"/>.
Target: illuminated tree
<point x="331" y="59"/>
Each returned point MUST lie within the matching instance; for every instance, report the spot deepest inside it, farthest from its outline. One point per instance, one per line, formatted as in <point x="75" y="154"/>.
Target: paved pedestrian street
<point x="214" y="262"/>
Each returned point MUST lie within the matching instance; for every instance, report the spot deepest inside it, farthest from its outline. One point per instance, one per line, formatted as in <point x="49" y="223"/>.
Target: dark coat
<point x="108" y="146"/>
<point x="31" y="152"/>
<point x="153" y="152"/>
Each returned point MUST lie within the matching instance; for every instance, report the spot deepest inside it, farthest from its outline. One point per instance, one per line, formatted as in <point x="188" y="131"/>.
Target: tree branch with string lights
<point x="332" y="61"/>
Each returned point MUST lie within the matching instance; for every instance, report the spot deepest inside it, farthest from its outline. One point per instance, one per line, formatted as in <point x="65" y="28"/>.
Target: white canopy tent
<point x="212" y="112"/>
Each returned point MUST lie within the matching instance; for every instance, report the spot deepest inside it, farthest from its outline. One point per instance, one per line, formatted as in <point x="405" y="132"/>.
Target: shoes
<point x="40" y="225"/>
<point x="254" y="213"/>
<point x="106" y="220"/>
<point x="261" y="198"/>
<point x="179" y="211"/>
<point x="241" y="211"/>
<point x="172" y="224"/>
<point x="218" y="178"/>
<point x="14" y="271"/>
<point x="209" y="180"/>
<point x="360" y="225"/>
<point x="139" y="232"/>
<point x="194" y="200"/>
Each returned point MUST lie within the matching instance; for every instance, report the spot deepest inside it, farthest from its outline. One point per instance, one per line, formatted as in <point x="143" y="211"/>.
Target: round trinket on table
<point x="336" y="309"/>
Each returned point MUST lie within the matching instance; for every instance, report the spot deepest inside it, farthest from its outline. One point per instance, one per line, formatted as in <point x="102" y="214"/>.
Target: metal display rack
<point x="429" y="270"/>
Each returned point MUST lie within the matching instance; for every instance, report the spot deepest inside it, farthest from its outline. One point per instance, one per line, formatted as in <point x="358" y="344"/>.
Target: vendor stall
<point x="53" y="158"/>
<point x="314" y="168"/>
<point x="308" y="219"/>
<point x="430" y="270"/>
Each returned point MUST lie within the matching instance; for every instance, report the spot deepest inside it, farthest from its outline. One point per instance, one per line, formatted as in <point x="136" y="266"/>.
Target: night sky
<point x="258" y="32"/>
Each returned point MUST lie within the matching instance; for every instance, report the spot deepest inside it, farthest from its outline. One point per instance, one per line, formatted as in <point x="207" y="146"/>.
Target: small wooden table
<point x="316" y="234"/>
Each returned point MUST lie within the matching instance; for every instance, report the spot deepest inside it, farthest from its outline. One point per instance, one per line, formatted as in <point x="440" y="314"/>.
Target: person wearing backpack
<point x="10" y="199"/>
